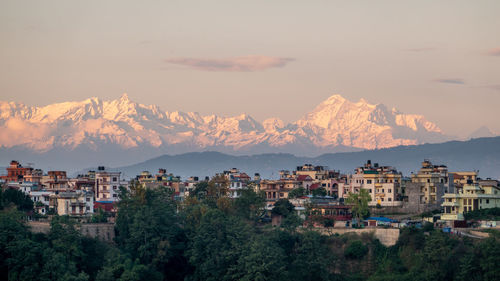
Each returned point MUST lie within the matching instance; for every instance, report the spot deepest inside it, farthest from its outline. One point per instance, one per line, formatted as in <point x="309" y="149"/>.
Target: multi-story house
<point x="107" y="184"/>
<point x="277" y="189"/>
<point x="56" y="181"/>
<point x="472" y="196"/>
<point x="17" y="173"/>
<point x="74" y="203"/>
<point x="425" y="189"/>
<point x="459" y="179"/>
<point x="41" y="200"/>
<point x="317" y="173"/>
<point x="236" y="180"/>
<point x="381" y="182"/>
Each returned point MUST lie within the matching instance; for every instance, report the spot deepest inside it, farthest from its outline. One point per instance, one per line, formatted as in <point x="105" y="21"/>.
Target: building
<point x="472" y="196"/>
<point x="107" y="185"/>
<point x="74" y="203"/>
<point x="315" y="172"/>
<point x="17" y="173"/>
<point x="41" y="200"/>
<point x="424" y="190"/>
<point x="381" y="182"/>
<point x="56" y="181"/>
<point x="277" y="189"/>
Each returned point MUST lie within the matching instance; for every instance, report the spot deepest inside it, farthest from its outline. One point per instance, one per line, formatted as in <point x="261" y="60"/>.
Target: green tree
<point x="297" y="192"/>
<point x="250" y="204"/>
<point x="217" y="245"/>
<point x="148" y="229"/>
<point x="18" y="198"/>
<point x="319" y="192"/>
<point x="356" y="250"/>
<point x="313" y="260"/>
<point x="283" y="207"/>
<point x="489" y="259"/>
<point x="263" y="260"/>
<point x="359" y="202"/>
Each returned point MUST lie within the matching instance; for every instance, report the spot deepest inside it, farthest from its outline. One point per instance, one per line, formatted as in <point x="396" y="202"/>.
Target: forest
<point x="211" y="237"/>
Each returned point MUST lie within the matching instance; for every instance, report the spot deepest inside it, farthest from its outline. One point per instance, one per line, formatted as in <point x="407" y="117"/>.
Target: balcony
<point x="450" y="204"/>
<point x="452" y="217"/>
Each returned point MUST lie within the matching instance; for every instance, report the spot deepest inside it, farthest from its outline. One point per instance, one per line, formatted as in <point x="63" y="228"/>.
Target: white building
<point x="107" y="185"/>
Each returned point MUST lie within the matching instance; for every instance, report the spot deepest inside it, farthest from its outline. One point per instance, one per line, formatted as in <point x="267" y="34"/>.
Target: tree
<point x="18" y="198"/>
<point x="149" y="230"/>
<point x="313" y="259"/>
<point x="297" y="192"/>
<point x="319" y="192"/>
<point x="217" y="245"/>
<point x="263" y="260"/>
<point x="250" y="204"/>
<point x="355" y="250"/>
<point x="489" y="258"/>
<point x="283" y="207"/>
<point x="359" y="202"/>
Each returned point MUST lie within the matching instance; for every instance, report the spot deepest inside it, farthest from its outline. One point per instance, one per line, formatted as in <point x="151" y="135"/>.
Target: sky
<point x="264" y="58"/>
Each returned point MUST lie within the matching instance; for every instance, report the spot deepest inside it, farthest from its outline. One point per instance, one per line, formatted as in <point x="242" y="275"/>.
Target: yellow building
<point x="431" y="182"/>
<point x="381" y="182"/>
<point x="473" y="196"/>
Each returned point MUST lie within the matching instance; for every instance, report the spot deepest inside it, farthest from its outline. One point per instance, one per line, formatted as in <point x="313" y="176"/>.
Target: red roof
<point x="106" y="206"/>
<point x="313" y="186"/>
<point x="304" y="178"/>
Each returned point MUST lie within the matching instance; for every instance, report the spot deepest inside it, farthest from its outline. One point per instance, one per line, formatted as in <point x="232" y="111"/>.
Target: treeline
<point x="483" y="214"/>
<point x="212" y="237"/>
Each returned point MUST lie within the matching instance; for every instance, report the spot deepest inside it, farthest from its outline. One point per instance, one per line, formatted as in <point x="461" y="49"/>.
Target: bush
<point x="356" y="250"/>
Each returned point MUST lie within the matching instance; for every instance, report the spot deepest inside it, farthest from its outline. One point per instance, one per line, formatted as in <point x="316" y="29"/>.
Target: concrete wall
<point x="102" y="231"/>
<point x="387" y="236"/>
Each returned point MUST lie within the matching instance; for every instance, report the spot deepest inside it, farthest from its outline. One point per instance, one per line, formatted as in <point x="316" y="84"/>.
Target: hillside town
<point x="433" y="193"/>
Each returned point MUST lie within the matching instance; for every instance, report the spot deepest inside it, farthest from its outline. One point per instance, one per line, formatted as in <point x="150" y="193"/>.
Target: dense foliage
<point x="210" y="237"/>
<point x="483" y="214"/>
<point x="10" y="196"/>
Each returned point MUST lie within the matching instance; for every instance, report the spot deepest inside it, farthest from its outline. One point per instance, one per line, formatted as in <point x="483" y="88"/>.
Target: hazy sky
<point x="265" y="58"/>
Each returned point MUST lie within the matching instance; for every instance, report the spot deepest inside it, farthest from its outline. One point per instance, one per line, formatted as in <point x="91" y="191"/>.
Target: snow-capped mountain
<point x="335" y="123"/>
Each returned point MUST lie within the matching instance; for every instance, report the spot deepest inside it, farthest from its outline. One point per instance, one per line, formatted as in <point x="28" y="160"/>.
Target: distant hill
<point x="481" y="154"/>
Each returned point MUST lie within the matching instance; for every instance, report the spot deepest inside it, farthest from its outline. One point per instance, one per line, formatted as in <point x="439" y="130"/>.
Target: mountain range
<point x="481" y="154"/>
<point x="104" y="129"/>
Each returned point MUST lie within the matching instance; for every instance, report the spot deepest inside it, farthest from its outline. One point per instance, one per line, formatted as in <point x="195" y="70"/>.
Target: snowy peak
<point x="481" y="132"/>
<point x="335" y="122"/>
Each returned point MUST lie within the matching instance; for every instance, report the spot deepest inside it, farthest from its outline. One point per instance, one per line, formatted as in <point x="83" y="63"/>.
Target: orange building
<point x="17" y="173"/>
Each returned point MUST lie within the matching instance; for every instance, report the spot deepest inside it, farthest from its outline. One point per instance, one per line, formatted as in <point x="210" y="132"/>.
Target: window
<point x="88" y="199"/>
<point x="114" y="179"/>
<point x="390" y="190"/>
<point x="368" y="181"/>
<point x="428" y="180"/>
<point x="114" y="195"/>
<point x="281" y="194"/>
<point x="369" y="190"/>
<point x="114" y="186"/>
<point x="487" y="201"/>
<point x="87" y="208"/>
<point x="390" y="199"/>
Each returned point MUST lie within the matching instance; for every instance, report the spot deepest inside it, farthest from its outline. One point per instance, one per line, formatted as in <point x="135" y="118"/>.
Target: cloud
<point x="493" y="52"/>
<point x="236" y="64"/>
<point x="419" y="50"/>
<point x="457" y="81"/>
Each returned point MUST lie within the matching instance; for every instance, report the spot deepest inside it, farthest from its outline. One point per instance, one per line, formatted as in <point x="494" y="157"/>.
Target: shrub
<point x="355" y="250"/>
